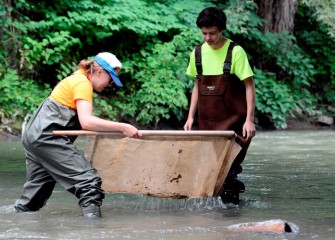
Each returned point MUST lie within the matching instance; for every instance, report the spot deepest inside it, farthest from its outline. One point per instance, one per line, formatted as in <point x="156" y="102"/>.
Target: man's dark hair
<point x="212" y="17"/>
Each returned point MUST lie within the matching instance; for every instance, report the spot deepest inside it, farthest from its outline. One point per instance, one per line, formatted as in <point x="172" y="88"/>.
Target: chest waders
<point x="53" y="159"/>
<point x="222" y="106"/>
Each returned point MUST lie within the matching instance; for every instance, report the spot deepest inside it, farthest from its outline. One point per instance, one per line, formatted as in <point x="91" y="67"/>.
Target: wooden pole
<point x="147" y="133"/>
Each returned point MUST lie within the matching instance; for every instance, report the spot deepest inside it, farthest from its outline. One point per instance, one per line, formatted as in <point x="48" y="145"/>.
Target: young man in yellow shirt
<point x="223" y="92"/>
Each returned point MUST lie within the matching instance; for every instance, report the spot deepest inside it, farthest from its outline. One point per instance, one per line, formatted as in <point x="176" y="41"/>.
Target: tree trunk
<point x="279" y="14"/>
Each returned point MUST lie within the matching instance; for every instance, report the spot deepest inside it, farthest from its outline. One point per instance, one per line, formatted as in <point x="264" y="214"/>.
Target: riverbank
<point x="7" y="136"/>
<point x="294" y="124"/>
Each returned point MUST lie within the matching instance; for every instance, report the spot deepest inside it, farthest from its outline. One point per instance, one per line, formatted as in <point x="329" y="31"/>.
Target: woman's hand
<point x="131" y="131"/>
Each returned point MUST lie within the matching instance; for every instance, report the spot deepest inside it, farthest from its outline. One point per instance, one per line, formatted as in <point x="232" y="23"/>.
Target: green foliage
<point x="293" y="60"/>
<point x="53" y="32"/>
<point x="273" y="98"/>
<point x="314" y="38"/>
<point x="103" y="108"/>
<point x="294" y="68"/>
<point x="241" y="18"/>
<point x="162" y="79"/>
<point x="43" y="41"/>
<point x="159" y="83"/>
<point x="278" y="54"/>
<point x="323" y="11"/>
<point x="49" y="50"/>
<point x="18" y="97"/>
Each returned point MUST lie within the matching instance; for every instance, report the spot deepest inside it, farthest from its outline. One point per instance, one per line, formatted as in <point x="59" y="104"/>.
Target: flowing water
<point x="289" y="175"/>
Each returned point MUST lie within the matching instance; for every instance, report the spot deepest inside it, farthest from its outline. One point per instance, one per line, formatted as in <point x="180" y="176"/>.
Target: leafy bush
<point x="281" y="64"/>
<point x="273" y="98"/>
<point x="162" y="78"/>
<point x="42" y="42"/>
<point x="18" y="97"/>
<point x="314" y="37"/>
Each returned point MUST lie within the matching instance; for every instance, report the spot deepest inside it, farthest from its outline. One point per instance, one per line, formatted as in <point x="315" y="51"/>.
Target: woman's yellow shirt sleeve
<point x="77" y="86"/>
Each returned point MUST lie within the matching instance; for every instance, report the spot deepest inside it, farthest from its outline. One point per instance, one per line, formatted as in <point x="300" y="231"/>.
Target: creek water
<point x="289" y="175"/>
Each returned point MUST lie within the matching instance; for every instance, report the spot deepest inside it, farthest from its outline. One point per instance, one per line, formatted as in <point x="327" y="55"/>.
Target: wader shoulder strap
<point x="227" y="62"/>
<point x="198" y="60"/>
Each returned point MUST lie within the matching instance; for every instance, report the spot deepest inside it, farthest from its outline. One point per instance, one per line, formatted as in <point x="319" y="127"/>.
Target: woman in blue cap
<point x="52" y="159"/>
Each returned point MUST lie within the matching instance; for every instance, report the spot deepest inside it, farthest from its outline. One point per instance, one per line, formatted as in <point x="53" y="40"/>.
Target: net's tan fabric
<point x="163" y="166"/>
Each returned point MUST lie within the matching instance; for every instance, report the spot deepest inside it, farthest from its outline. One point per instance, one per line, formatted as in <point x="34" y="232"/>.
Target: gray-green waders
<point x="51" y="159"/>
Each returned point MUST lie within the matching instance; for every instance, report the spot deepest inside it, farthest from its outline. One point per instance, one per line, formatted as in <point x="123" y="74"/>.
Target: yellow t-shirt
<point x="74" y="87"/>
<point x="213" y="60"/>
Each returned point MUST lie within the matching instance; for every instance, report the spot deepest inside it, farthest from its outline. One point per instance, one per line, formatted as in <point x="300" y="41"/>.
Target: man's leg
<point x="232" y="186"/>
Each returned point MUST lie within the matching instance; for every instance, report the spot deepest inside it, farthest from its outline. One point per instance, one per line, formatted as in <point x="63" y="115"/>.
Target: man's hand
<point x="188" y="124"/>
<point x="249" y="130"/>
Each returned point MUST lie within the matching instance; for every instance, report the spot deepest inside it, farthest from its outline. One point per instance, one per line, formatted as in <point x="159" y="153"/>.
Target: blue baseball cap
<point x="111" y="64"/>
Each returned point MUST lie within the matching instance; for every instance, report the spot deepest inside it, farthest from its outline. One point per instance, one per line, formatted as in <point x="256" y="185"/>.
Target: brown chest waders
<point x="222" y="104"/>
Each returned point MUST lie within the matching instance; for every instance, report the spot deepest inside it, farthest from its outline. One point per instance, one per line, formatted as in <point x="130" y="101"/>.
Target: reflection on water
<point x="288" y="175"/>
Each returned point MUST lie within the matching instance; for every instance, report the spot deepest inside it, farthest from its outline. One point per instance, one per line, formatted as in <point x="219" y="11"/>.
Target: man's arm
<point x="193" y="107"/>
<point x="249" y="130"/>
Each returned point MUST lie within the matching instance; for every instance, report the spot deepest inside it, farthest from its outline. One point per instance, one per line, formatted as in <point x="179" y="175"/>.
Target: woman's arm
<point x="93" y="123"/>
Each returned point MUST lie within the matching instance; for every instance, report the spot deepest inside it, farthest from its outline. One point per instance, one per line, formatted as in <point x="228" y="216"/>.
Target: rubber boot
<point x="232" y="190"/>
<point x="19" y="209"/>
<point x="91" y="211"/>
<point x="232" y="187"/>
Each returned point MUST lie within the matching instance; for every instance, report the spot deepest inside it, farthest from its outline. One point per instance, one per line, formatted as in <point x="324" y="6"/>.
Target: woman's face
<point x="101" y="79"/>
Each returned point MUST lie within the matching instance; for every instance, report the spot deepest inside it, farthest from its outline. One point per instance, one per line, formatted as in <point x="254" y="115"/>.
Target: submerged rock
<point x="274" y="226"/>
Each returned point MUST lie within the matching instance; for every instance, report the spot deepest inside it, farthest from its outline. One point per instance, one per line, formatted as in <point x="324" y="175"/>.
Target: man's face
<point x="211" y="35"/>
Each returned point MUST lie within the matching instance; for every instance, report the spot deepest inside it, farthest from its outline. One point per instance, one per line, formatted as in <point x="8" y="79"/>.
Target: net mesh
<point x="163" y="166"/>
